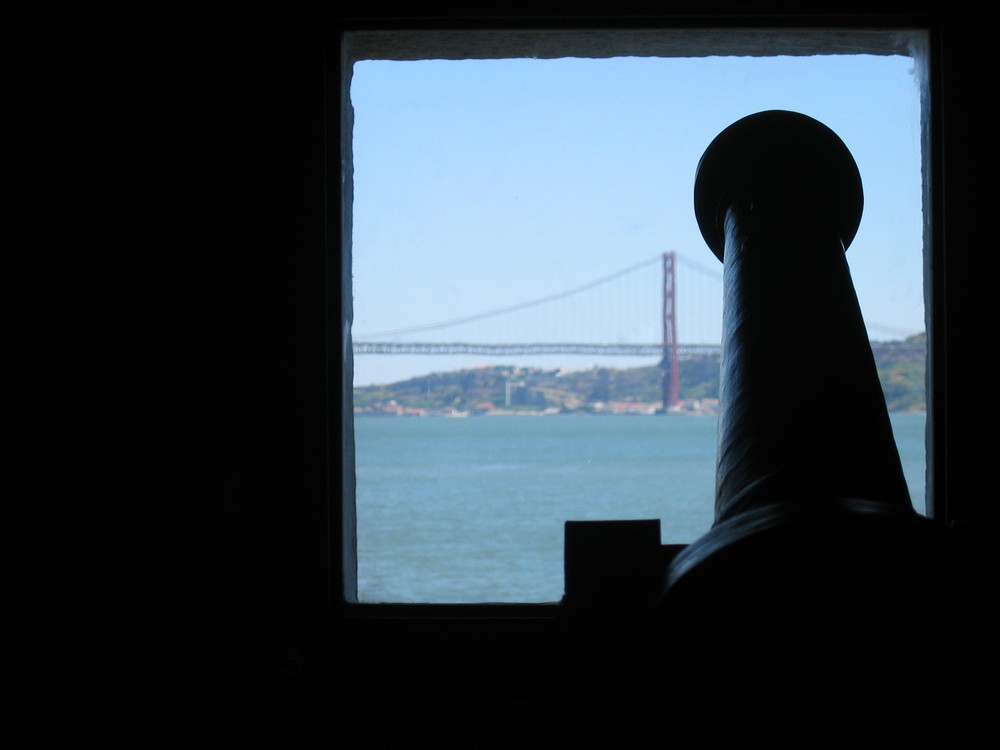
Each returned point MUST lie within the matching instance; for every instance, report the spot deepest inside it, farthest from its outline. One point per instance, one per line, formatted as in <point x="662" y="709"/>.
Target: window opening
<point x="512" y="202"/>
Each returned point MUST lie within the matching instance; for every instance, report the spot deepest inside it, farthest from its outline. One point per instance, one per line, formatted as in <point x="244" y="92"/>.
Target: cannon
<point x="817" y="569"/>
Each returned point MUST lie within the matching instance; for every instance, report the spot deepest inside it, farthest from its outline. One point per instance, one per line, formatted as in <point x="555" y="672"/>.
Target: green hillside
<point x="900" y="365"/>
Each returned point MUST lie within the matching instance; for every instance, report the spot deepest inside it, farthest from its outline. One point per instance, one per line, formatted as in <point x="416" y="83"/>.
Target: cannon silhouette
<point x="819" y="598"/>
<point x="778" y="198"/>
<point x="817" y="570"/>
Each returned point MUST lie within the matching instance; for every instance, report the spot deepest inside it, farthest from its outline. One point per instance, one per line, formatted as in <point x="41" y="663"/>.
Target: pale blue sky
<point x="483" y="183"/>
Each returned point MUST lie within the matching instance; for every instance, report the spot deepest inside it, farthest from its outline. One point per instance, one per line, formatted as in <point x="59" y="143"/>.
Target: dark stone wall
<point x="176" y="221"/>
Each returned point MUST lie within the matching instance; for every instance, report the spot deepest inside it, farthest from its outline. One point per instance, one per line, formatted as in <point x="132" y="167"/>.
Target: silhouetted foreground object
<point x="778" y="198"/>
<point x="816" y="560"/>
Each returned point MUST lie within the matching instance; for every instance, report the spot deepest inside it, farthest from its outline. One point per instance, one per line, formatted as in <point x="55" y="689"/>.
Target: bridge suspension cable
<point x="525" y="342"/>
<point x="512" y="308"/>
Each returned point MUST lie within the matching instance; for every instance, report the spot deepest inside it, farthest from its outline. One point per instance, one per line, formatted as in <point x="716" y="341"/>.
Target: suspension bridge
<point x="632" y="312"/>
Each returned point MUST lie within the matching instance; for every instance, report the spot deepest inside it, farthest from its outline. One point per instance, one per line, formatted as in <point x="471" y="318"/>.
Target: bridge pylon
<point x="670" y="379"/>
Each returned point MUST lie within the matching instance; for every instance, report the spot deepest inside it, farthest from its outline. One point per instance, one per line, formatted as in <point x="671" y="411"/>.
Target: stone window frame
<point x="699" y="40"/>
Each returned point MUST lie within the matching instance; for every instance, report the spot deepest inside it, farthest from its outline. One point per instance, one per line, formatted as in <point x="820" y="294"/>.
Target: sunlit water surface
<point x="473" y="510"/>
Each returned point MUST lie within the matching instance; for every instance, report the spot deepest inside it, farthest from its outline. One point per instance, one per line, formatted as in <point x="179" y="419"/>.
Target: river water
<point x="473" y="510"/>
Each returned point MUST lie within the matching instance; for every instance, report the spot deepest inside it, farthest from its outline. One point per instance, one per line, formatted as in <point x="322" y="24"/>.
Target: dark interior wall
<point x="968" y="271"/>
<point x="176" y="535"/>
<point x="178" y="223"/>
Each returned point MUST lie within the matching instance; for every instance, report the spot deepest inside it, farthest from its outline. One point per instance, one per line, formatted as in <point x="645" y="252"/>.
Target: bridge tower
<point x="670" y="378"/>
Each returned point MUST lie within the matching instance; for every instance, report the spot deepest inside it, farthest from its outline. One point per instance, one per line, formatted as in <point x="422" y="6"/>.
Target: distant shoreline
<point x="501" y="413"/>
<point x="460" y="414"/>
<point x="529" y="391"/>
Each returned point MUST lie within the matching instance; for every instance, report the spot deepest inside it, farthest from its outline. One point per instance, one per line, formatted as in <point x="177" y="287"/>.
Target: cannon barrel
<point x="802" y="416"/>
<point x="813" y="520"/>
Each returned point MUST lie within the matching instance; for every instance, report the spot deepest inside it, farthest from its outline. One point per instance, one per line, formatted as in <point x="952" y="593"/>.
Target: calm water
<point x="472" y="510"/>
